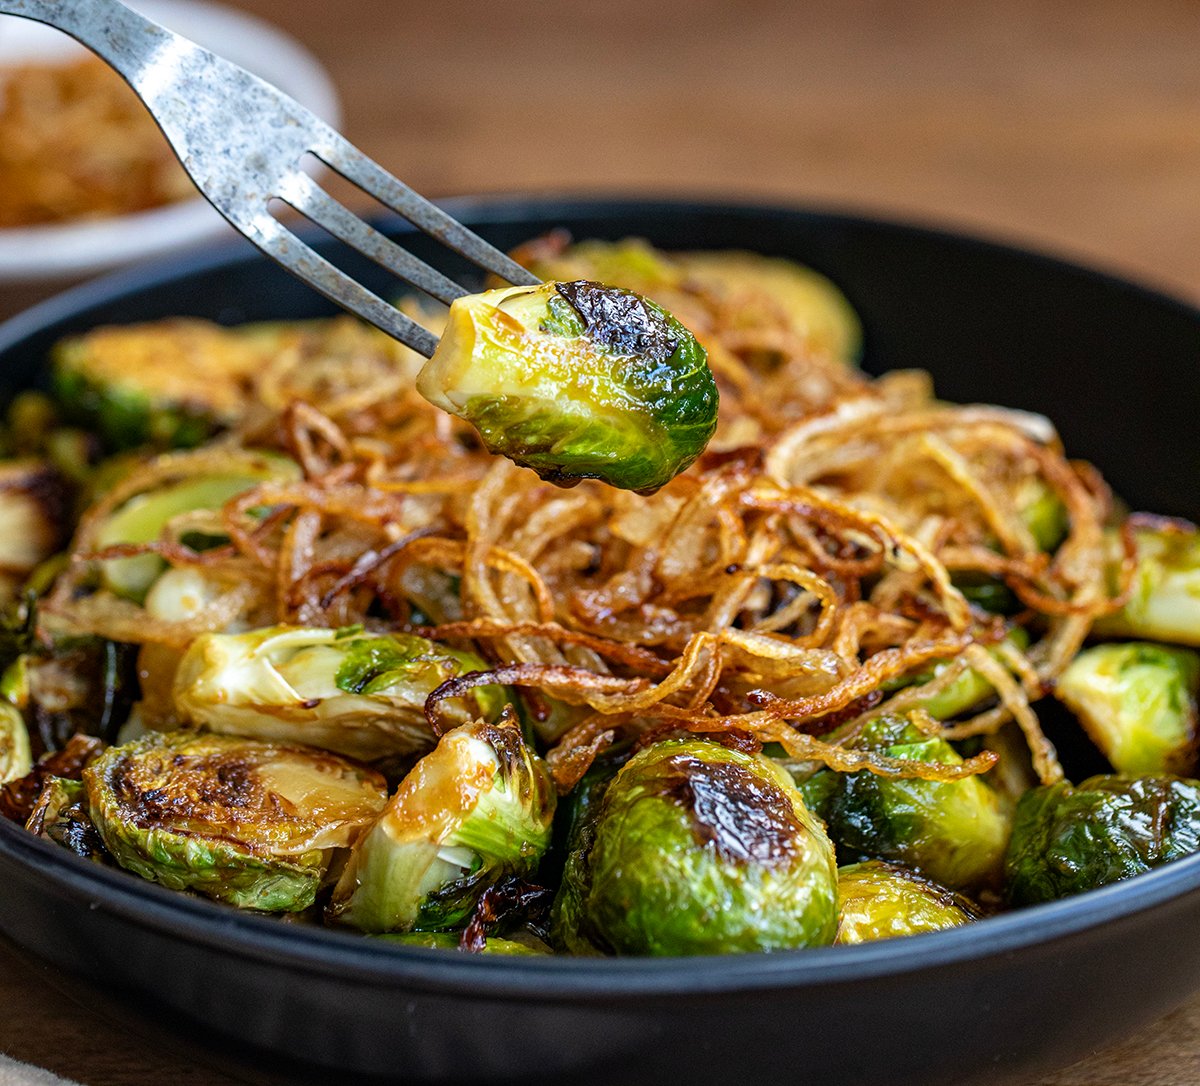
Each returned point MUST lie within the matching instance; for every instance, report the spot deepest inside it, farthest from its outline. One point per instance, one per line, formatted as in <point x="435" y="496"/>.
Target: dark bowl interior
<point x="1113" y="364"/>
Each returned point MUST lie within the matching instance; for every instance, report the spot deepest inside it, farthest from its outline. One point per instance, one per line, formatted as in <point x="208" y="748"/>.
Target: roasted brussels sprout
<point x="34" y="499"/>
<point x="345" y="690"/>
<point x="1137" y="702"/>
<point x="695" y="848"/>
<point x="249" y="823"/>
<point x="69" y="686"/>
<point x="761" y="289"/>
<point x="1164" y="604"/>
<point x="449" y="940"/>
<point x="61" y="815"/>
<point x="174" y="383"/>
<point x="954" y="832"/>
<point x="16" y="758"/>
<point x="879" y="900"/>
<point x="476" y="809"/>
<point x="168" y="384"/>
<point x="144" y="517"/>
<point x="576" y="381"/>
<point x="1069" y="839"/>
<point x="812" y="305"/>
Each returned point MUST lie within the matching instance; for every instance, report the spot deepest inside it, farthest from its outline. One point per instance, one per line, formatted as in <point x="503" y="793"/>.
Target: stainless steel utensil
<point x="244" y="143"/>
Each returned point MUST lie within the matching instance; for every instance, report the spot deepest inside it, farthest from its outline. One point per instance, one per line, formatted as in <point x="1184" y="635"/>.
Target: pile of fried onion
<point x="773" y="593"/>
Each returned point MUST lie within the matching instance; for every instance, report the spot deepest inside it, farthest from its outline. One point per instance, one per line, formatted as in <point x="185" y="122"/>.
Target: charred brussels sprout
<point x="1137" y="702"/>
<point x="953" y="831"/>
<point x="760" y="289"/>
<point x="882" y="901"/>
<point x="576" y="381"/>
<point x="1070" y="839"/>
<point x="477" y="808"/>
<point x="697" y="849"/>
<point x="449" y="940"/>
<point x="1164" y="604"/>
<point x="249" y="823"/>
<point x="344" y="690"/>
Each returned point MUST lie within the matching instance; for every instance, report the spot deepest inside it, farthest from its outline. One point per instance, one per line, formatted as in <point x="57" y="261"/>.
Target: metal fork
<point x="243" y="142"/>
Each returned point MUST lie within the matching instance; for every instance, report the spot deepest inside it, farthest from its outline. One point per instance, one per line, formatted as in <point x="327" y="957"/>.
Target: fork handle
<point x="129" y="42"/>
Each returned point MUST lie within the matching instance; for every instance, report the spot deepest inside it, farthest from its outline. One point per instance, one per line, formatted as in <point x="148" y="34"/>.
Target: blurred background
<point x="1072" y="126"/>
<point x="1065" y="125"/>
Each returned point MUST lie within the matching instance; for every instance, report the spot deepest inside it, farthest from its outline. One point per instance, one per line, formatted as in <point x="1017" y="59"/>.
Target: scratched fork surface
<point x="244" y="142"/>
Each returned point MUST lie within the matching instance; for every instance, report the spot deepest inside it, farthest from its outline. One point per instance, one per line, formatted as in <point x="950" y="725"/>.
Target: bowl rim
<point x="369" y="961"/>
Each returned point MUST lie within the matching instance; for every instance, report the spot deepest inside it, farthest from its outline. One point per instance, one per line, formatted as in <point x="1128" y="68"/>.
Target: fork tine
<point x="307" y="197"/>
<point x="341" y="155"/>
<point x="282" y="245"/>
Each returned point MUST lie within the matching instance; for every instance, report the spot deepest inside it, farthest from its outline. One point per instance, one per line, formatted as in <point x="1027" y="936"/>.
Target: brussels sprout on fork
<point x="576" y="381"/>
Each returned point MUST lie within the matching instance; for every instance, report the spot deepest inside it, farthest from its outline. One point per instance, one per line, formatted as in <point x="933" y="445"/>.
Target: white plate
<point x="68" y="250"/>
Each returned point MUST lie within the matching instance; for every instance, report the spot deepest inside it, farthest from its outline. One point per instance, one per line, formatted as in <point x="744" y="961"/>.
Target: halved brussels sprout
<point x="249" y="823"/>
<point x="61" y="815"/>
<point x="170" y="383"/>
<point x="1137" y="702"/>
<point x="449" y="940"/>
<point x="953" y="831"/>
<point x="70" y="686"/>
<point x="143" y="517"/>
<point x="576" y="381"/>
<point x="477" y="808"/>
<point x="345" y="690"/>
<point x="33" y="520"/>
<point x="965" y="691"/>
<point x="879" y="900"/>
<point x="16" y="758"/>
<point x="697" y="849"/>
<point x="1164" y="604"/>
<point x="1070" y="839"/>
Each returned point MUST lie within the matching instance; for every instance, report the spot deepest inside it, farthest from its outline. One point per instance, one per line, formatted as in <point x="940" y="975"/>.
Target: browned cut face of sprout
<point x="842" y="535"/>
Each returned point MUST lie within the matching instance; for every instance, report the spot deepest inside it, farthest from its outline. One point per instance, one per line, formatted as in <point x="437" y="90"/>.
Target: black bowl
<point x="1113" y="364"/>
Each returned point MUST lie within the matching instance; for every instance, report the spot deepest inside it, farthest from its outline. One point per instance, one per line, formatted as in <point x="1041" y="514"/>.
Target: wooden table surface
<point x="1070" y="126"/>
